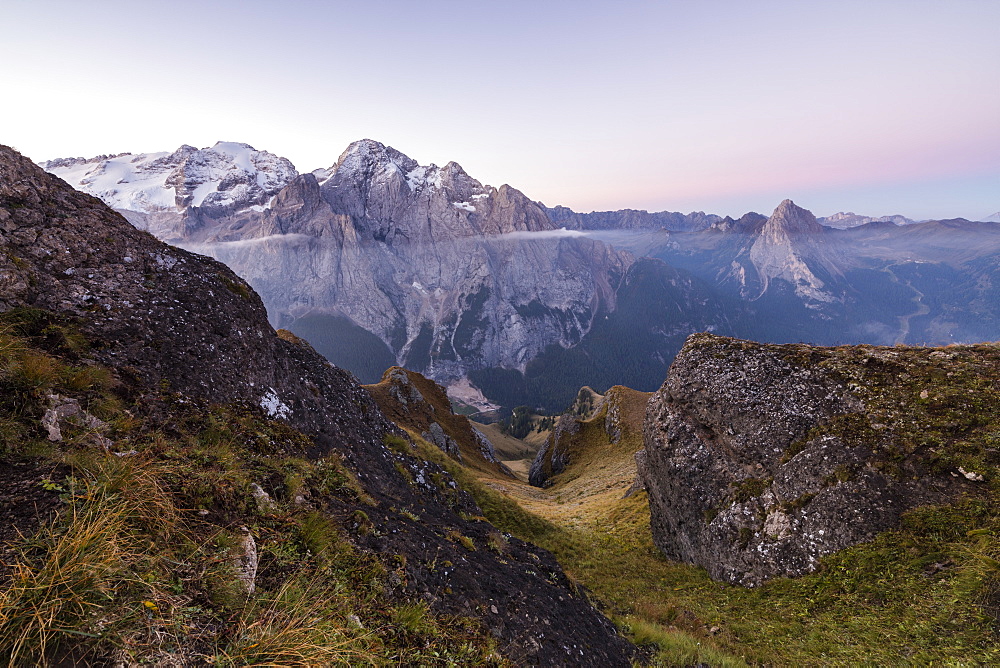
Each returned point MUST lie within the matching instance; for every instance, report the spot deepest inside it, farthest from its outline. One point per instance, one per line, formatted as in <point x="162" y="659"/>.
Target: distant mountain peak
<point x="224" y="176"/>
<point x="781" y="249"/>
<point x="791" y="219"/>
<point x="848" y="219"/>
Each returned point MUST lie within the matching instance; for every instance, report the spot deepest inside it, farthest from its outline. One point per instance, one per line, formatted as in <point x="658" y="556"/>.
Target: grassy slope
<point x="130" y="568"/>
<point x="138" y="565"/>
<point x="928" y="592"/>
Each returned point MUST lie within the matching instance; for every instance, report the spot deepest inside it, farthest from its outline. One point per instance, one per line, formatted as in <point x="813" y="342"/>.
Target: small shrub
<point x="455" y="536"/>
<point x="496" y="542"/>
<point x="414" y="618"/>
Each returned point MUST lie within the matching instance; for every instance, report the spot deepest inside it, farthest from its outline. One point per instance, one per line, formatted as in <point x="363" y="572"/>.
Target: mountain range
<point x="185" y="485"/>
<point x="378" y="260"/>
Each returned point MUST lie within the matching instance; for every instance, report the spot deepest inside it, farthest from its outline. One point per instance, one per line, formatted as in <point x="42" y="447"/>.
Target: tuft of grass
<point x="397" y="444"/>
<point x="236" y="286"/>
<point x="677" y="648"/>
<point x="320" y="535"/>
<point x="292" y="627"/>
<point x="455" y="536"/>
<point x="87" y="378"/>
<point x="66" y="579"/>
<point x="414" y="618"/>
<point x="36" y="371"/>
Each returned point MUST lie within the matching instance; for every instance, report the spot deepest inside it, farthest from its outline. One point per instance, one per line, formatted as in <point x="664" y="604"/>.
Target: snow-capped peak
<point x="226" y="175"/>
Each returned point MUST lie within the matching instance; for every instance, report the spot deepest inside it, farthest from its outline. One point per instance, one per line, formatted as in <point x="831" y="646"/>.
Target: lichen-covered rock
<point x="760" y="459"/>
<point x="485" y="447"/>
<point x="66" y="410"/>
<point x="245" y="561"/>
<point x="613" y="420"/>
<point x="401" y="389"/>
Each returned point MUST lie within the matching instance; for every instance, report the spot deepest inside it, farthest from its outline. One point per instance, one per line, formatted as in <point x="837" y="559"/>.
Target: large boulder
<point x="760" y="459"/>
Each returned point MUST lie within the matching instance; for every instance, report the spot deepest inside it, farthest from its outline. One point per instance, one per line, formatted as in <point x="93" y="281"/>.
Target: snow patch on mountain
<point x="844" y="220"/>
<point x="228" y="175"/>
<point x="422" y="176"/>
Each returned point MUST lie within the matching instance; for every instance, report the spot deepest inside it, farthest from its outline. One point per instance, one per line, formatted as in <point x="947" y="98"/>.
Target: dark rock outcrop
<point x="553" y="457"/>
<point x="164" y="318"/>
<point x="760" y="459"/>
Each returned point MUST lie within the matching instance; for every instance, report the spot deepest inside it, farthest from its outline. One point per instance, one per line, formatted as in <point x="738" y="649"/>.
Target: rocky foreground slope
<point x="168" y="321"/>
<point x="761" y="459"/>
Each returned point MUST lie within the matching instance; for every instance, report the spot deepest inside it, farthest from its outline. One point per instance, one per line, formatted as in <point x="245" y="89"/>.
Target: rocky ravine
<point x="760" y="459"/>
<point x="163" y="317"/>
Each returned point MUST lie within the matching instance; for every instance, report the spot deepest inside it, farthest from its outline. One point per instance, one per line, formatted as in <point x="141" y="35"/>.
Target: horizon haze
<point x="878" y="108"/>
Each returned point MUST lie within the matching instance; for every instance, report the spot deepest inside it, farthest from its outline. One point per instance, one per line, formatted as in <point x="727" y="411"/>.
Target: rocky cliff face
<point x="786" y="245"/>
<point x="165" y="318"/>
<point x="447" y="273"/>
<point x="631" y="219"/>
<point x="760" y="459"/>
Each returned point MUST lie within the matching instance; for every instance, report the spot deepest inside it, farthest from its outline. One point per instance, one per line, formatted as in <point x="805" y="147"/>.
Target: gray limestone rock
<point x="485" y="446"/>
<point x="437" y="436"/>
<point x="245" y="561"/>
<point x="402" y="390"/>
<point x="64" y="411"/>
<point x="760" y="460"/>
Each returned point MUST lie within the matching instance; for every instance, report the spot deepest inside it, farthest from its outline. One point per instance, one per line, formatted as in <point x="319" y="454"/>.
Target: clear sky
<point x="725" y="106"/>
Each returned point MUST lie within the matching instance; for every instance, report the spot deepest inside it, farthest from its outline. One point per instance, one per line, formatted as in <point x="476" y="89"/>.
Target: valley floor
<point x="911" y="597"/>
